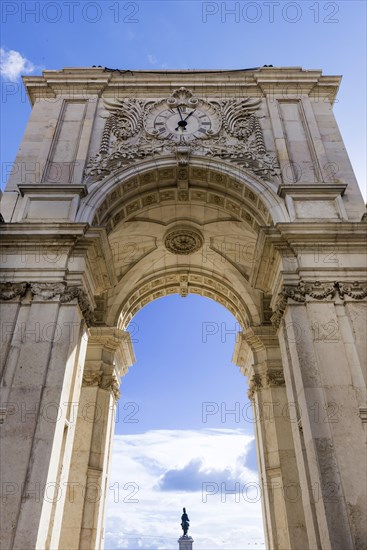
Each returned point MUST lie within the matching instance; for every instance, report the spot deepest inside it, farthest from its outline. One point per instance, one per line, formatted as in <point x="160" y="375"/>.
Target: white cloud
<point x="140" y="514"/>
<point x="152" y="59"/>
<point x="13" y="64"/>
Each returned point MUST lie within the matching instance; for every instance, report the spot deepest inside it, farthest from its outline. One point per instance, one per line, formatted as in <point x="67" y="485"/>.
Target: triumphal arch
<point x="130" y="186"/>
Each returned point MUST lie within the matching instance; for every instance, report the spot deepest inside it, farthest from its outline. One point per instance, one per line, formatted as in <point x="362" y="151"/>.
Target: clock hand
<point x="181" y="123"/>
<point x="189" y="115"/>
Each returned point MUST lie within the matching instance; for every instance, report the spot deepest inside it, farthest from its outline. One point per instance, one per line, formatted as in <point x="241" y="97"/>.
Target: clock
<point x="183" y="122"/>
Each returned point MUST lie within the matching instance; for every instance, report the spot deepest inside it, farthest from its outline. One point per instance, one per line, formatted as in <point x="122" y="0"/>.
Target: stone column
<point x="321" y="355"/>
<point x="258" y="354"/>
<point x="109" y="355"/>
<point x="43" y="342"/>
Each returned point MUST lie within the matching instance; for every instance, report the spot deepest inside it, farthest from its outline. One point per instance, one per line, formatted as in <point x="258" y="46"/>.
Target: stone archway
<point x="199" y="240"/>
<point x="135" y="215"/>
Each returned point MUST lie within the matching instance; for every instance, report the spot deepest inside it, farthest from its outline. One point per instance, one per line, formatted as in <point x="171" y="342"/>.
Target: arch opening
<point x="192" y="447"/>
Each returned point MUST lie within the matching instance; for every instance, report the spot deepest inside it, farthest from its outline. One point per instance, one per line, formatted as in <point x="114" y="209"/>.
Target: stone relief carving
<point x="183" y="241"/>
<point x="254" y="385"/>
<point x="9" y="290"/>
<point x="275" y="378"/>
<point x="317" y="290"/>
<point x="48" y="291"/>
<point x="91" y="378"/>
<point x="109" y="382"/>
<point x="125" y="119"/>
<point x="235" y="134"/>
<point x="272" y="378"/>
<point x="103" y="381"/>
<point x="72" y="292"/>
<point x="355" y="290"/>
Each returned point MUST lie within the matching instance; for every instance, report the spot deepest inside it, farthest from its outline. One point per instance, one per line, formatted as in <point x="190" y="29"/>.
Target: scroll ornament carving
<point x="73" y="292"/>
<point x="237" y="135"/>
<point x="9" y="290"/>
<point x="317" y="290"/>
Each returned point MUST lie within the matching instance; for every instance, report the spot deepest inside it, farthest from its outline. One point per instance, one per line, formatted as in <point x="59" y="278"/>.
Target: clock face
<point x="181" y="123"/>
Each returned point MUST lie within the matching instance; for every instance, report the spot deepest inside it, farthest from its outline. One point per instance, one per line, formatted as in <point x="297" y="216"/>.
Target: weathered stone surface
<point x="117" y="200"/>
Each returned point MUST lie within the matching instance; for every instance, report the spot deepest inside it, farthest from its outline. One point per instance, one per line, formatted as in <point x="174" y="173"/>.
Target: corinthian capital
<point x="9" y="290"/>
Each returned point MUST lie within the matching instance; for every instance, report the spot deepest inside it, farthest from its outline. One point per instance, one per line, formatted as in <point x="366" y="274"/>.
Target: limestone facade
<point x="132" y="186"/>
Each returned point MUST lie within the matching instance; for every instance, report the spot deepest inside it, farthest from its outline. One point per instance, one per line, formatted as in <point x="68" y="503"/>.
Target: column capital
<point x="256" y="345"/>
<point x="109" y="356"/>
<point x="113" y="340"/>
<point x="317" y="291"/>
<point x="257" y="353"/>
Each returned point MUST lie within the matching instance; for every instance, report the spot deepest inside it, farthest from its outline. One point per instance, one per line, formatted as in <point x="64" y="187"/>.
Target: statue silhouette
<point x="185" y="522"/>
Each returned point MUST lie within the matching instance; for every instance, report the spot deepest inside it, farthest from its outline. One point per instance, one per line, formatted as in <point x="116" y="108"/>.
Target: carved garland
<point x="317" y="290"/>
<point x="47" y="291"/>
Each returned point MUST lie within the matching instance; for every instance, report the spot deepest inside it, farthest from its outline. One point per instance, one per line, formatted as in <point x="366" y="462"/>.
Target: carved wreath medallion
<point x="183" y="241"/>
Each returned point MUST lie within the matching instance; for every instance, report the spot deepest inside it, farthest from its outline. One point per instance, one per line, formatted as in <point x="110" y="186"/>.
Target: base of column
<point x="185" y="542"/>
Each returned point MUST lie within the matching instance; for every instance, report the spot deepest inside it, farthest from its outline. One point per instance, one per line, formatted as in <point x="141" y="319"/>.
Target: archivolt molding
<point x="316" y="290"/>
<point x="183" y="282"/>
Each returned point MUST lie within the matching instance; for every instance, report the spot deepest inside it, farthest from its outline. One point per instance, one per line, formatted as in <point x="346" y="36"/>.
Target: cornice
<point x="286" y="240"/>
<point x="37" y="230"/>
<point x="50" y="188"/>
<point x="93" y="81"/>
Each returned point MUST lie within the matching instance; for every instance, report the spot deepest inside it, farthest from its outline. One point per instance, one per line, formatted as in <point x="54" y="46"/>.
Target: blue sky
<point x="170" y="451"/>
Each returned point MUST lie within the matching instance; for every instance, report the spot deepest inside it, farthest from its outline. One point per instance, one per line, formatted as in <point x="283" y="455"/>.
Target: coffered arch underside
<point x="241" y="194"/>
